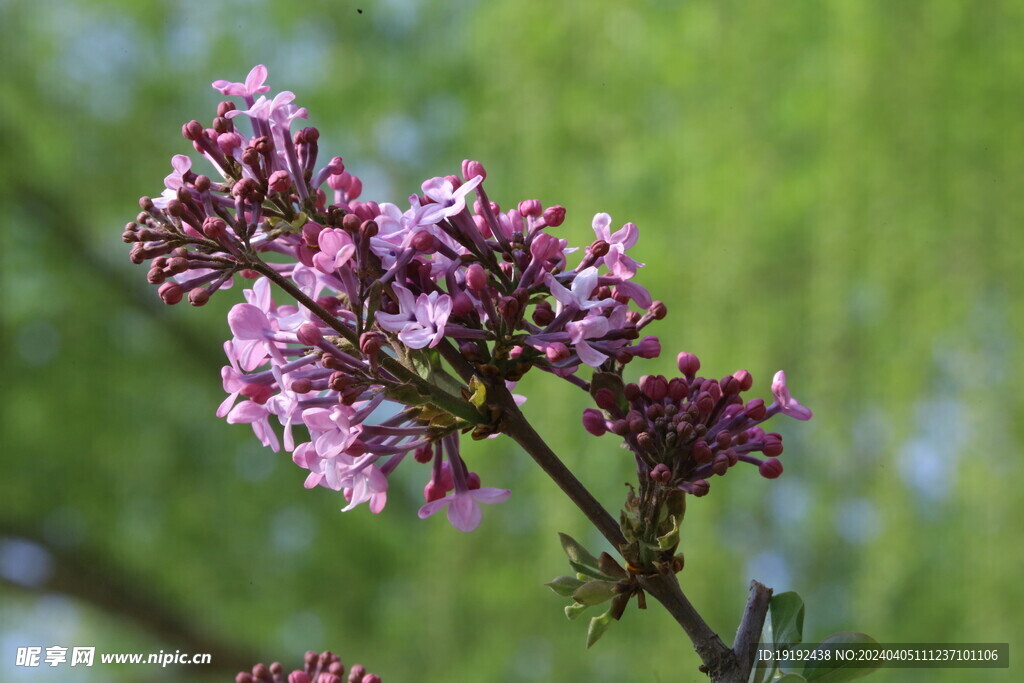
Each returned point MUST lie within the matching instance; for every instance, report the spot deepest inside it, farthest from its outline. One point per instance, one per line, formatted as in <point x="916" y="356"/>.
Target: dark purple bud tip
<point x="688" y="364"/>
<point x="645" y="441"/>
<point x="723" y="439"/>
<point x="661" y="473"/>
<point x="772" y="445"/>
<point x="369" y="229"/>
<point x="424" y="454"/>
<point x="654" y="386"/>
<point x="202" y="183"/>
<point x="619" y="428"/>
<point x="599" y="248"/>
<point x="705" y="403"/>
<point x="593" y="422"/>
<point x="771" y="469"/>
<point x="472" y="169"/>
<point x="720" y="464"/>
<point x="756" y="409"/>
<point x="659" y="310"/>
<point x="700" y="488"/>
<point x="554" y="216"/>
<point x="632" y="392"/>
<point x="557" y="352"/>
<point x="745" y="379"/>
<point x="605" y="399"/>
<point x="701" y="452"/>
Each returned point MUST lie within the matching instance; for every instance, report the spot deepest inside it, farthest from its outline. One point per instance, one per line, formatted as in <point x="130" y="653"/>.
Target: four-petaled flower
<point x="464" y="506"/>
<point x="421" y="320"/>
<point x="254" y="84"/>
<point x="447" y="200"/>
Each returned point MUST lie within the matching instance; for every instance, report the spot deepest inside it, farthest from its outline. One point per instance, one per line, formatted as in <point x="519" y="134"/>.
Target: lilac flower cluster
<point x="323" y="667"/>
<point x="379" y="294"/>
<point x="684" y="430"/>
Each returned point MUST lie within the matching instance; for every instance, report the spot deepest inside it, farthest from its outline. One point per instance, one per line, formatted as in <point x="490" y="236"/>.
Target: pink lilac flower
<point x="336" y="248"/>
<point x="253" y="85"/>
<point x="448" y="201"/>
<point x="582" y="288"/>
<point x="421" y="320"/>
<point x="618" y="242"/>
<point x="787" y="404"/>
<point x="464" y="506"/>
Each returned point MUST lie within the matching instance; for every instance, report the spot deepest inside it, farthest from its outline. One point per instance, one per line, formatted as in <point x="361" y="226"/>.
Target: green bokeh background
<point x="832" y="188"/>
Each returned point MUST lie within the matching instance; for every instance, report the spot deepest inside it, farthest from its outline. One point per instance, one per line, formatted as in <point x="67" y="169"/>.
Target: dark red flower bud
<point x="701" y="452"/>
<point x="593" y="422"/>
<point x="756" y="409"/>
<point x="554" y="216"/>
<point x="771" y="469"/>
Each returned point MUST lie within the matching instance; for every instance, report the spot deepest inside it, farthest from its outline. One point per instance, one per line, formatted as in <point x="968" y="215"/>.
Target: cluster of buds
<point x="323" y="667"/>
<point x="684" y="430"/>
<point x="379" y="295"/>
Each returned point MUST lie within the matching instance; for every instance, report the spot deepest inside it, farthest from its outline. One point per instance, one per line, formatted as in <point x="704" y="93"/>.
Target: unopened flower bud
<point x="198" y="296"/>
<point x="661" y="473"/>
<point x="593" y="422"/>
<point x="472" y="169"/>
<point x="530" y="207"/>
<point x="424" y="241"/>
<point x="720" y="464"/>
<point x="424" y="454"/>
<point x="659" y="310"/>
<point x="632" y="392"/>
<point x="279" y="181"/>
<point x="309" y="334"/>
<point x="619" y="427"/>
<point x="476" y="278"/>
<point x="543" y="314"/>
<point x="705" y="403"/>
<point x="654" y="386"/>
<point x="599" y="248"/>
<point x="645" y="441"/>
<point x="744" y="378"/>
<point x="193" y="130"/>
<point x="772" y="445"/>
<point x="170" y="292"/>
<point x="723" y="438"/>
<point x="771" y="469"/>
<point x="554" y="216"/>
<point x="699" y="488"/>
<point x="756" y="409"/>
<point x="557" y="351"/>
<point x="688" y="364"/>
<point x="701" y="452"/>
<point x="605" y="399"/>
<point x="433" y="491"/>
<point x="730" y="385"/>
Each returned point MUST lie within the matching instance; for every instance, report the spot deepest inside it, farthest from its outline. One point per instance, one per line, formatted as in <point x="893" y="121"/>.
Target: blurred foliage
<point x="835" y="188"/>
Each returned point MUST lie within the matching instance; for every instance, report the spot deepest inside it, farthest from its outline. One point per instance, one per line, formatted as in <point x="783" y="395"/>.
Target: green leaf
<point x="598" y="625"/>
<point x="670" y="541"/>
<point x="787" y="612"/>
<point x="590" y="572"/>
<point x="477" y="392"/>
<point x="564" y="585"/>
<point x="575" y="609"/>
<point x="840" y="672"/>
<point x="576" y="552"/>
<point x="595" y="592"/>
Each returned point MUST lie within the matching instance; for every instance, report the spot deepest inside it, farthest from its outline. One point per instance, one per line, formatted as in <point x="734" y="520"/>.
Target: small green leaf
<point x="598" y="625"/>
<point x="575" y="609"/>
<point x="564" y="585"/>
<point x="477" y="392"/>
<point x="670" y="541"/>
<point x="595" y="592"/>
<point x="840" y="672"/>
<point x="590" y="572"/>
<point x="787" y="612"/>
<point x="576" y="552"/>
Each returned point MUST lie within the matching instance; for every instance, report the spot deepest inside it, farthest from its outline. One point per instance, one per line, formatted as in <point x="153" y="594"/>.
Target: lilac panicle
<point x="377" y="290"/>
